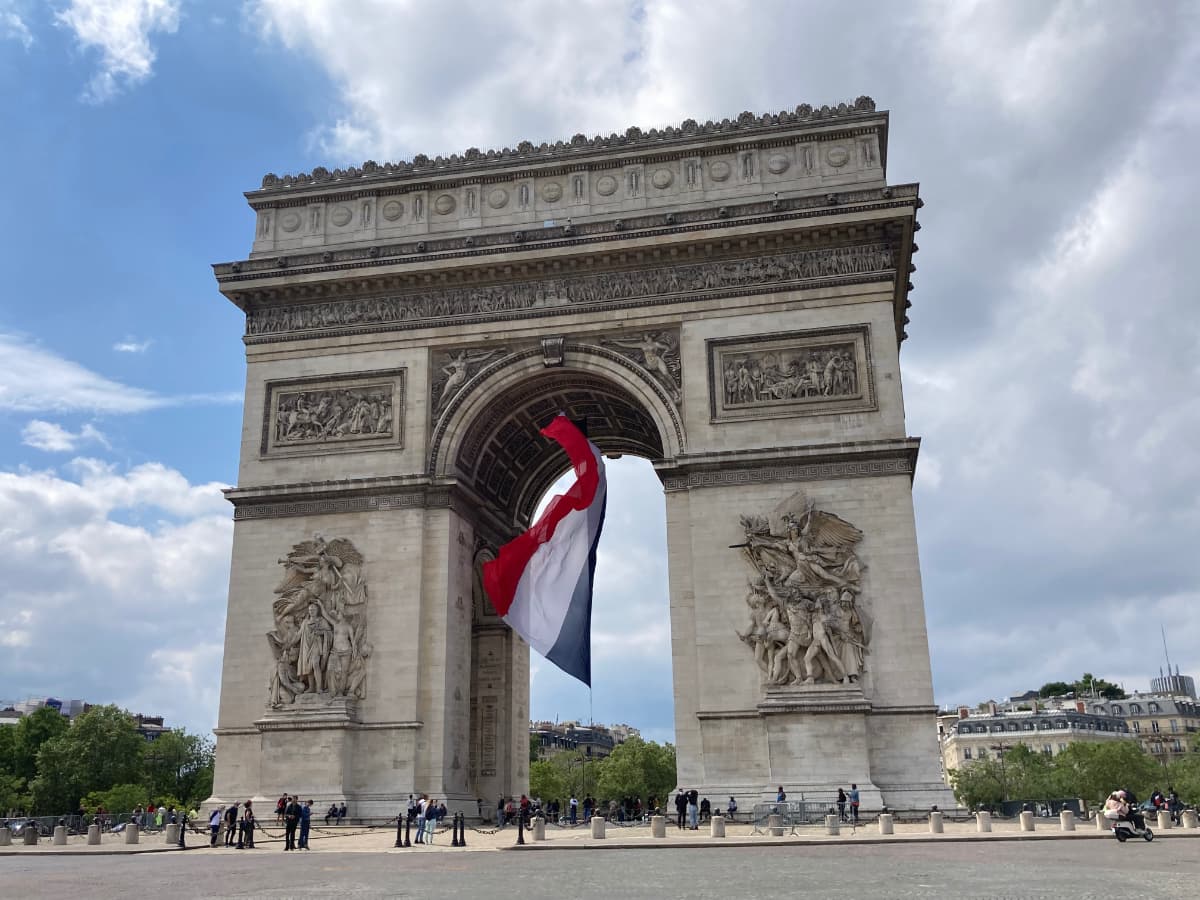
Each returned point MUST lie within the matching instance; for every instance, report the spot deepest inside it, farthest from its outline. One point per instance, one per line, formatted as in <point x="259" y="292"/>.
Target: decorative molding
<point x="747" y="124"/>
<point x="557" y="294"/>
<point x="416" y="498"/>
<point x="334" y="414"/>
<point x="657" y="353"/>
<point x="799" y="373"/>
<point x="853" y="464"/>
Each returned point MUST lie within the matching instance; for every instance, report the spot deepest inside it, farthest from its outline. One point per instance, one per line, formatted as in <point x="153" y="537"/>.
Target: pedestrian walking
<point x="231" y="825"/>
<point x="854" y="802"/>
<point x="422" y="806"/>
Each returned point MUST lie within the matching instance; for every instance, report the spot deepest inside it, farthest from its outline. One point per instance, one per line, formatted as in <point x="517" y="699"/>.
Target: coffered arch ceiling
<point x="507" y="461"/>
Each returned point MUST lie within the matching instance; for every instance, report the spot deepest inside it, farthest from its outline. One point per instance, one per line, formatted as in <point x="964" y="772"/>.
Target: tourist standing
<point x="431" y="817"/>
<point x="500" y="813"/>
<point x="305" y="821"/>
<point x="231" y="825"/>
<point x="680" y="808"/>
<point x="574" y="809"/>
<point x="841" y="805"/>
<point x="291" y="821"/>
<point x="214" y="824"/>
<point x="247" y="838"/>
<point x="731" y="810"/>
<point x="693" y="800"/>
<point x="280" y="807"/>
<point x="854" y="803"/>
<point x="422" y="806"/>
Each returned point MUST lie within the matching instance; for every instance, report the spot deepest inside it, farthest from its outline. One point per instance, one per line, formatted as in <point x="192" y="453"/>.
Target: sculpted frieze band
<point x="553" y="292"/>
<point x="657" y="352"/>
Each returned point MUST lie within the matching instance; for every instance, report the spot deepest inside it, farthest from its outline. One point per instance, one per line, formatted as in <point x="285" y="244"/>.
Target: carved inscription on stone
<point x="777" y="268"/>
<point x="801" y="373"/>
<point x="807" y="622"/>
<point x="319" y="640"/>
<point x="453" y="369"/>
<point x="349" y="412"/>
<point x="655" y="351"/>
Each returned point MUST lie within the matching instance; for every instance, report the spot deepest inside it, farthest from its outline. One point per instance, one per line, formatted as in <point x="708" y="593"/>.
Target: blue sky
<point x="1051" y="370"/>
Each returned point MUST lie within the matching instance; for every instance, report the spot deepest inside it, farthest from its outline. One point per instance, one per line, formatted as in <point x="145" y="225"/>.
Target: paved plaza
<point x="1079" y="869"/>
<point x="629" y="863"/>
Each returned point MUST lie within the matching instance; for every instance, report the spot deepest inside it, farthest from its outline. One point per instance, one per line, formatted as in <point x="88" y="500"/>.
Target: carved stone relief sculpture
<point x="452" y="370"/>
<point x="807" y="622"/>
<point x="343" y="412"/>
<point x="657" y="352"/>
<point x="319" y="640"/>
<point x="798" y="374"/>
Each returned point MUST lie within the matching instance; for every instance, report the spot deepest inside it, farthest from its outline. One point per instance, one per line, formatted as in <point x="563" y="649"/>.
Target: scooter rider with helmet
<point x="1134" y="814"/>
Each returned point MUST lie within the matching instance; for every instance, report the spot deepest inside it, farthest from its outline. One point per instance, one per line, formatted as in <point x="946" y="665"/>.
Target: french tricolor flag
<point x="541" y="582"/>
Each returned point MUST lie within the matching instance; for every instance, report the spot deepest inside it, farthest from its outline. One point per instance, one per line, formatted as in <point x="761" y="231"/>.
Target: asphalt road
<point x="1079" y="870"/>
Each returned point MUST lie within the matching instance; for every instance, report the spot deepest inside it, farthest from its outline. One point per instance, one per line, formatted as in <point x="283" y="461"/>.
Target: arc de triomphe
<point x="725" y="299"/>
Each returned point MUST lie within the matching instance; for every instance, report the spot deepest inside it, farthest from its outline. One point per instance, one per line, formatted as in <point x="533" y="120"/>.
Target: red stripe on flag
<point x="501" y="575"/>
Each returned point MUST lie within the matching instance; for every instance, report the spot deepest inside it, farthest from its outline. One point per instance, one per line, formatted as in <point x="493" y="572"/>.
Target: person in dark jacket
<point x="680" y="808"/>
<point x="305" y="820"/>
<point x="291" y="821"/>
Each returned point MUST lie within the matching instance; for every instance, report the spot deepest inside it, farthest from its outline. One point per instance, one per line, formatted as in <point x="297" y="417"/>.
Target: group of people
<point x="239" y="825"/>
<point x="426" y="813"/>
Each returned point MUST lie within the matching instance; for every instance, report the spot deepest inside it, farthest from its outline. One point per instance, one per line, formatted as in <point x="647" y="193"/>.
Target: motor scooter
<point x="1123" y="830"/>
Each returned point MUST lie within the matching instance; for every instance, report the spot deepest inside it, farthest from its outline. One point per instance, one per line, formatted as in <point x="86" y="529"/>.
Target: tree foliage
<point x="1087" y="685"/>
<point x="635" y="768"/>
<point x="50" y="766"/>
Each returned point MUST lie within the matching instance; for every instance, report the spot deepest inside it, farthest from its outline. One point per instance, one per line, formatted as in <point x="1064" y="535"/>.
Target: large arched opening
<point x="489" y="442"/>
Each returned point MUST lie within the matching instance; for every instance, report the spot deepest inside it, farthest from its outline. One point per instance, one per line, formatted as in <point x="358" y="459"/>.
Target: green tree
<point x="1089" y="684"/>
<point x="638" y="768"/>
<point x="13" y="795"/>
<point x="547" y="780"/>
<point x="101" y="749"/>
<point x="180" y="765"/>
<point x="32" y="733"/>
<point x="535" y="749"/>
<point x="1183" y="776"/>
<point x="1091" y="771"/>
<point x="983" y="782"/>
<point x="1055" y="689"/>
<point x="120" y="799"/>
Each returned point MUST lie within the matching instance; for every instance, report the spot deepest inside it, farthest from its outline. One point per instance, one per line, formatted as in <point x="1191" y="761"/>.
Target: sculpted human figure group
<point x="806" y="626"/>
<point x="320" y="624"/>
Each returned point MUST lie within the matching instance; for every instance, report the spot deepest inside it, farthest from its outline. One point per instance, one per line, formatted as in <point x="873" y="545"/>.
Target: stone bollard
<point x="658" y="826"/>
<point x="1190" y="819"/>
<point x="93" y="834"/>
<point x="597" y="827"/>
<point x="131" y="833"/>
<point x="60" y="836"/>
<point x="5" y="836"/>
<point x="1102" y="824"/>
<point x="1066" y="820"/>
<point x="831" y="825"/>
<point x="775" y="824"/>
<point x="1027" y="821"/>
<point x="983" y="822"/>
<point x="538" y="831"/>
<point x="886" y="825"/>
<point x="1164" y="820"/>
<point x="935" y="823"/>
<point x="29" y="835"/>
<point x="171" y="834"/>
<point x="716" y="827"/>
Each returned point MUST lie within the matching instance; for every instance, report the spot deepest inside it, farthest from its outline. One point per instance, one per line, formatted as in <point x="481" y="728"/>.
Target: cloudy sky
<point x="1051" y="371"/>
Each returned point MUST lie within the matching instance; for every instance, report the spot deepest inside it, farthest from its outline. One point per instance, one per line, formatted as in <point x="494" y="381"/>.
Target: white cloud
<point x="145" y="600"/>
<point x="53" y="438"/>
<point x="34" y="379"/>
<point x="130" y="345"/>
<point x="120" y="30"/>
<point x="13" y="26"/>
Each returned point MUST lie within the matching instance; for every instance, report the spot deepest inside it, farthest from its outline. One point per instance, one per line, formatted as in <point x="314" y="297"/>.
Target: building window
<point x="983" y="753"/>
<point x="1047" y="749"/>
<point x="1174" y="725"/>
<point x="1137" y="727"/>
<point x="1177" y="745"/>
<point x="1062" y="747"/>
<point x="1156" y="747"/>
<point x="1098" y="710"/>
<point x="1135" y="709"/>
<point x="1117" y="711"/>
<point x="1012" y="726"/>
<point x="1154" y="726"/>
<point x="966" y="752"/>
<point x="1153" y="707"/>
<point x="1029" y="726"/>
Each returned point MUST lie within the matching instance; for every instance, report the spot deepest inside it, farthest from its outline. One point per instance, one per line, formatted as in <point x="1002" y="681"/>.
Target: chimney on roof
<point x="1080" y="706"/>
<point x="963" y="712"/>
<point x="991" y="707"/>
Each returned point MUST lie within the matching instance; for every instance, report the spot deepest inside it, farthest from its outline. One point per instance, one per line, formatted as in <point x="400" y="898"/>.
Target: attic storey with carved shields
<point x="725" y="299"/>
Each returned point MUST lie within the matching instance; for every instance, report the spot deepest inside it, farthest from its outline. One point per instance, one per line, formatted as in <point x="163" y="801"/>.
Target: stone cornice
<point x="241" y="280"/>
<point x="746" y="127"/>
<point x="348" y="495"/>
<point x="825" y="462"/>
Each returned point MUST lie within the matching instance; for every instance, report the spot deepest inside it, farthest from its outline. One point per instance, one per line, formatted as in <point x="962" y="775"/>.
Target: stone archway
<point x="727" y="300"/>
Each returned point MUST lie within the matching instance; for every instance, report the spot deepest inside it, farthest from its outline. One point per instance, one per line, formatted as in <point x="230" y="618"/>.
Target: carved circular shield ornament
<point x="497" y="198"/>
<point x="606" y="185"/>
<point x="444" y="205"/>
<point x="778" y="164"/>
<point x="837" y="156"/>
<point x="552" y="192"/>
<point x="720" y="170"/>
<point x="341" y="216"/>
<point x="662" y="179"/>
<point x="289" y="221"/>
<point x="393" y="210"/>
